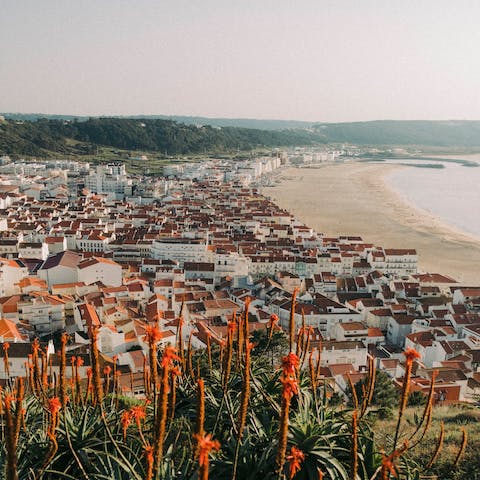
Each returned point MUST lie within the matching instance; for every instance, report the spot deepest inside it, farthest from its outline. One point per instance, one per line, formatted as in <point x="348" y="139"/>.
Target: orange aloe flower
<point x="290" y="364"/>
<point x="232" y="327"/>
<point x="295" y="459"/>
<point x="138" y="413"/>
<point x="6" y="346"/>
<point x="149" y="454"/>
<point x="290" y="387"/>
<point x="388" y="461"/>
<point x="388" y="466"/>
<point x="411" y="354"/>
<point x="54" y="405"/>
<point x="35" y="346"/>
<point x="273" y="320"/>
<point x="7" y="400"/>
<point x="152" y="334"/>
<point x="205" y="445"/>
<point x="169" y="354"/>
<point x="126" y="420"/>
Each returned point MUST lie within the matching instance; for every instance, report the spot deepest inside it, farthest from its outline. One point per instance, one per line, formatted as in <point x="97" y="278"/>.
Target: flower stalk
<point x="63" y="366"/>
<point x="291" y="328"/>
<point x="96" y="378"/>
<point x="438" y="447"/>
<point x="354" y="449"/>
<point x="6" y="362"/>
<point x="295" y="460"/>
<point x="290" y="387"/>
<point x="169" y="355"/>
<point x="205" y="444"/>
<point x="410" y="356"/>
<point x="463" y="446"/>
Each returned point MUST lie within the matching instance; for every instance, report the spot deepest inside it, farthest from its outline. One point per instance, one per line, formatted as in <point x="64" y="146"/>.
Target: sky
<point x="314" y="60"/>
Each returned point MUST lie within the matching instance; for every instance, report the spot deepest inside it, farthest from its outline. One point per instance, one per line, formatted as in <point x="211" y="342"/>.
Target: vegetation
<point x="188" y="120"/>
<point x="223" y="413"/>
<point x="454" y="418"/>
<point x="45" y="138"/>
<point x="384" y="394"/>
<point x="95" y="137"/>
<point x="395" y="132"/>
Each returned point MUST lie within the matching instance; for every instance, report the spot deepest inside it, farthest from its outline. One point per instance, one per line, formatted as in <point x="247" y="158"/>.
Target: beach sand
<point x="355" y="199"/>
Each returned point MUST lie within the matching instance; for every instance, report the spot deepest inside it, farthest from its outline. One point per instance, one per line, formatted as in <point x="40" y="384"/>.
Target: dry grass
<point x="455" y="417"/>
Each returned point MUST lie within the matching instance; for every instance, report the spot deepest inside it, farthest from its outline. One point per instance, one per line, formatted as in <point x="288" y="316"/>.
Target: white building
<point x="394" y="261"/>
<point x="17" y="360"/>
<point x="348" y="352"/>
<point x="33" y="250"/>
<point x="323" y="313"/>
<point x="56" y="244"/>
<point x="94" y="243"/>
<point x="109" y="179"/>
<point x="46" y="313"/>
<point x="11" y="272"/>
<point x="99" y="269"/>
<point x="231" y="264"/>
<point x="60" y="268"/>
<point x="181" y="249"/>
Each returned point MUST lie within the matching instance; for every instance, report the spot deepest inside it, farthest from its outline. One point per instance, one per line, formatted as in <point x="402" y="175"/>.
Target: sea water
<point x="448" y="190"/>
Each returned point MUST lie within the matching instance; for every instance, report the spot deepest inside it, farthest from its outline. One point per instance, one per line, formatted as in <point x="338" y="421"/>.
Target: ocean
<point x="447" y="188"/>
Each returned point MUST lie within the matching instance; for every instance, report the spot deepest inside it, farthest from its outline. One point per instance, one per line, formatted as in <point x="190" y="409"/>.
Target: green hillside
<point x="262" y="124"/>
<point x="45" y="137"/>
<point x="394" y="132"/>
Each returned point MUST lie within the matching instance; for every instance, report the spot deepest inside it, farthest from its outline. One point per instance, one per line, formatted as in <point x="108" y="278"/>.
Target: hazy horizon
<point x="211" y="117"/>
<point x="313" y="61"/>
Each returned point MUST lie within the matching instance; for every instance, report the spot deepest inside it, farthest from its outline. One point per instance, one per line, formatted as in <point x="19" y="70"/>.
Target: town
<point x="89" y="246"/>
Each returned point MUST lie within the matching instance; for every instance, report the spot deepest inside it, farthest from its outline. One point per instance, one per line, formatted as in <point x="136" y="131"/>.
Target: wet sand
<point x="355" y="199"/>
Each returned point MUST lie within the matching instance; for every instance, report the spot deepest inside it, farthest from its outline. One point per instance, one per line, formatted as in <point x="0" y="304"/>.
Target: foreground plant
<point x="270" y="423"/>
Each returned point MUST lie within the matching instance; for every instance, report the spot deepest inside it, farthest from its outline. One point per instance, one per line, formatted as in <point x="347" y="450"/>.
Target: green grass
<point x="455" y="417"/>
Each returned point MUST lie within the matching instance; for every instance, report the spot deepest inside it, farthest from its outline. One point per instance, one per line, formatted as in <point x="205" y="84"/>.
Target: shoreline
<point x="448" y="230"/>
<point x="357" y="199"/>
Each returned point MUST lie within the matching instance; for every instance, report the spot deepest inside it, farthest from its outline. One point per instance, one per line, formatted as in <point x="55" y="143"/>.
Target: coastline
<point x="447" y="230"/>
<point x="357" y="199"/>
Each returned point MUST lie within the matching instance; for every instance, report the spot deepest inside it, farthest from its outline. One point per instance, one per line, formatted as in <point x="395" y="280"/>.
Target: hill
<point x="256" y="123"/>
<point x="455" y="133"/>
<point x="45" y="137"/>
<point x="29" y="135"/>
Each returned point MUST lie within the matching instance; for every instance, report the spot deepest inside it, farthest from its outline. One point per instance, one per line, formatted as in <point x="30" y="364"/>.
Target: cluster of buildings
<point x="85" y="247"/>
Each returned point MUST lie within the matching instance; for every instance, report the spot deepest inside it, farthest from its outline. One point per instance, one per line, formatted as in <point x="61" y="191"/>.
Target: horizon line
<point x="312" y="122"/>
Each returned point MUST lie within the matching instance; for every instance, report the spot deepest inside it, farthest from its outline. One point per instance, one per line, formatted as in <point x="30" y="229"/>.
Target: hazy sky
<point x="321" y="60"/>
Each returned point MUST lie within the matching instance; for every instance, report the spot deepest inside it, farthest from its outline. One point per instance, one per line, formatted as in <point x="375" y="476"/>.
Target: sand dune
<point x="354" y="199"/>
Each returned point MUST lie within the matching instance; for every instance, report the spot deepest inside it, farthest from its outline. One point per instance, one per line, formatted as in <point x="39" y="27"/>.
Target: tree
<point x="417" y="399"/>
<point x="384" y="394"/>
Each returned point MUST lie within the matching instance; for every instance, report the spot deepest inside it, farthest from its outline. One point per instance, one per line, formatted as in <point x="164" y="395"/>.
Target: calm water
<point x="451" y="193"/>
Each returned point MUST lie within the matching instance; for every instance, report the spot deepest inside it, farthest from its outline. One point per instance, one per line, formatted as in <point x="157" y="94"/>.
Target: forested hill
<point x="45" y="137"/>
<point x="53" y="136"/>
<point x="257" y="123"/>
<point x="455" y="133"/>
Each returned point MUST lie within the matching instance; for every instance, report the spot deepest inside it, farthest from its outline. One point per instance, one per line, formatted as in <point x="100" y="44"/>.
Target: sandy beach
<point x="355" y="199"/>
